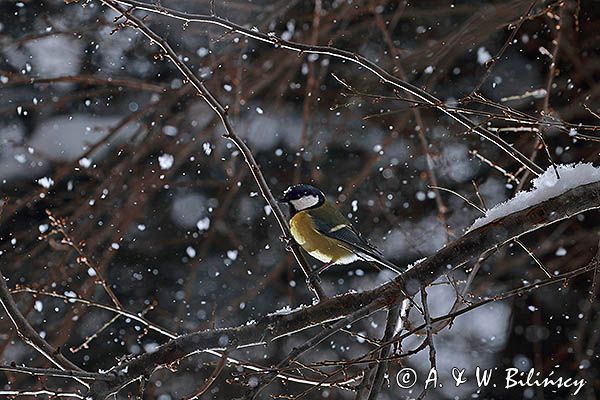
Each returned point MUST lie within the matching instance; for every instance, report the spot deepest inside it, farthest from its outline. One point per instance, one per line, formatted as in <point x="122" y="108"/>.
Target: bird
<point x="322" y="231"/>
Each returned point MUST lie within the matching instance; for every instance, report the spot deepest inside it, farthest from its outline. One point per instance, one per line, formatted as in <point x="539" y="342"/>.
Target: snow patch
<point x="286" y="310"/>
<point x="545" y="186"/>
<point x="66" y="137"/>
<point x="49" y="56"/>
<point x="188" y="208"/>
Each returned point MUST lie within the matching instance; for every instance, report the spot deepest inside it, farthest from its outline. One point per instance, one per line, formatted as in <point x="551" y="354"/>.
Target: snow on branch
<point x="545" y="186"/>
<point x="466" y="249"/>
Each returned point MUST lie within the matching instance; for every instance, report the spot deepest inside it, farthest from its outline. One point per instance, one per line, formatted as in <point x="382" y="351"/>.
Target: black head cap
<point x="302" y="196"/>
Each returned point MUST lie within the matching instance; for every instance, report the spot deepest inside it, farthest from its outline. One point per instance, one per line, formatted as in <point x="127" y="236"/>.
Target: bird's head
<point x="302" y="197"/>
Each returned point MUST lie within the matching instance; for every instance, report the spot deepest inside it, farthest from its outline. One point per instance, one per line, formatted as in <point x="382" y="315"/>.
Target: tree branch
<point x="30" y="335"/>
<point x="230" y="134"/>
<point x="384" y="353"/>
<point x="355" y="58"/>
<point x="273" y="326"/>
<point x="55" y="372"/>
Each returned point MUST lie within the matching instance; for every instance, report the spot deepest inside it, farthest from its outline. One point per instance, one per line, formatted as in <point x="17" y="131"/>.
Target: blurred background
<point x="99" y="130"/>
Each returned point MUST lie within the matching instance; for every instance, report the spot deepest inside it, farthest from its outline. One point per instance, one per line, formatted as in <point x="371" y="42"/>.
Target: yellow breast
<point x="317" y="245"/>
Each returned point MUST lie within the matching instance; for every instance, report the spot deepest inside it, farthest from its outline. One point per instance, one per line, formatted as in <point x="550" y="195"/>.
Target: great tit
<point x="321" y="229"/>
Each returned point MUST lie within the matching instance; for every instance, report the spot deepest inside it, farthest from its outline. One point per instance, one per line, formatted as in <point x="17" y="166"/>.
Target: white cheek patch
<point x="305" y="202"/>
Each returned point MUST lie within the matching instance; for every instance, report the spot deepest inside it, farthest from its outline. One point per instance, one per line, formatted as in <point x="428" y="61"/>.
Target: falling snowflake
<point x="165" y="161"/>
<point x="207" y="148"/>
<point x="190" y="251"/>
<point x="232" y="254"/>
<point x="203" y="224"/>
<point x="483" y="56"/>
<point x="45" y="182"/>
<point x="85" y="162"/>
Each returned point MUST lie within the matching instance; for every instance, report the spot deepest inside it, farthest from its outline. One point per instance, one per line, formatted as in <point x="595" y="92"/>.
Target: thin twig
<point x="230" y="134"/>
<point x="41" y="392"/>
<point x="508" y="42"/>
<point x="56" y="372"/>
<point x="211" y="379"/>
<point x="381" y="367"/>
<point x="370" y="66"/>
<point x="30" y="335"/>
<point x="461" y="251"/>
<point x="428" y="329"/>
<point x="312" y="342"/>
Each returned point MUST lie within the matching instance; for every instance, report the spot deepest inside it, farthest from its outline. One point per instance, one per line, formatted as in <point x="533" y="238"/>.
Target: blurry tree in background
<point x="130" y="217"/>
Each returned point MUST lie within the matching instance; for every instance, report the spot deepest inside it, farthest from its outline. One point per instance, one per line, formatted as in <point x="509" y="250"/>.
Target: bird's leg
<point x="321" y="269"/>
<point x="289" y="242"/>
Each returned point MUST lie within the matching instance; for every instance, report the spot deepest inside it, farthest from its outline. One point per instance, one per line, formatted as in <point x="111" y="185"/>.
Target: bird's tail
<point x="380" y="261"/>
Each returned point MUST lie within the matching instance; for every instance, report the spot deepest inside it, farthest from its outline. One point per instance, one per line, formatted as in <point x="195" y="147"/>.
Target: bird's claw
<point x="314" y="276"/>
<point x="289" y="242"/>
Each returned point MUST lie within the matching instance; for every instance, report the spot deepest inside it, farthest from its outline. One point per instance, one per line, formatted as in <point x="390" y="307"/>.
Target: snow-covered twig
<point x="546" y="186"/>
<point x="55" y="372"/>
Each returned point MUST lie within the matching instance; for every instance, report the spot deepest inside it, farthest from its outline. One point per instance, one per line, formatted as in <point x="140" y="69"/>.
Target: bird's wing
<point x="331" y="223"/>
<point x="336" y="226"/>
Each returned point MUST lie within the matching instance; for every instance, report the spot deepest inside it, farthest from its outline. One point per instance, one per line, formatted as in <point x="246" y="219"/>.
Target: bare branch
<point x="463" y="250"/>
<point x="230" y="134"/>
<point x="370" y="66"/>
<point x="210" y="380"/>
<point x="381" y="368"/>
<point x="55" y="372"/>
<point x="30" y="335"/>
